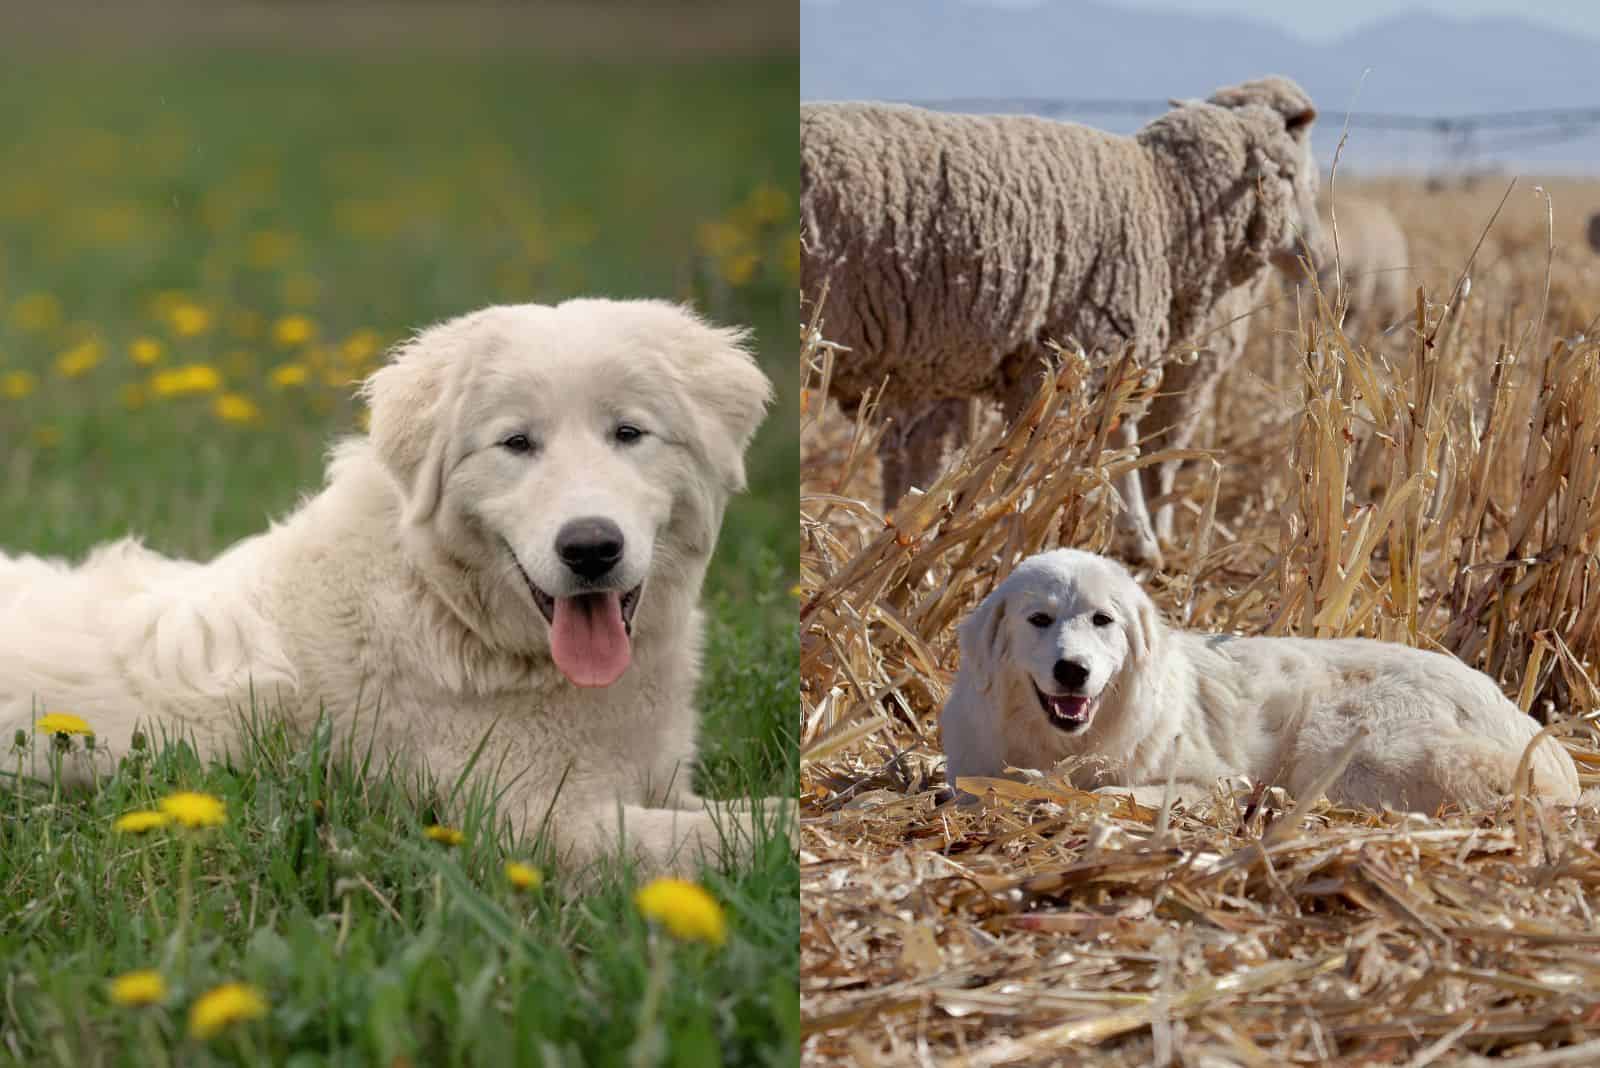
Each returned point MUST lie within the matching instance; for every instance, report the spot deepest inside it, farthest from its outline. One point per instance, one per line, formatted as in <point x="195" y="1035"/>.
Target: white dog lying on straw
<point x="514" y="551"/>
<point x="1068" y="657"/>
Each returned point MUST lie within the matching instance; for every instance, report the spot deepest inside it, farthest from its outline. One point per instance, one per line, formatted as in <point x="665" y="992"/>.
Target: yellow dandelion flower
<point x="293" y="330"/>
<point x="226" y="1005"/>
<point x="768" y="204"/>
<point x="236" y="408"/>
<point x="79" y="360"/>
<point x="15" y="385"/>
<point x="740" y="268"/>
<point x="361" y="346"/>
<point x="36" y="313"/>
<point x="720" y="238"/>
<point x="685" y="909"/>
<point x="142" y="987"/>
<point x="444" y="835"/>
<point x="797" y="591"/>
<point x="288" y="375"/>
<point x="145" y="351"/>
<point x="62" y="723"/>
<point x="189" y="320"/>
<point x="140" y="821"/>
<point x="524" y="876"/>
<point x="186" y="380"/>
<point x="195" y="809"/>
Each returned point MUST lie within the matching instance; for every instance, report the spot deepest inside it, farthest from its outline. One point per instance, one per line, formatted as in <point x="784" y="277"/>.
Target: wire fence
<point x="1462" y="139"/>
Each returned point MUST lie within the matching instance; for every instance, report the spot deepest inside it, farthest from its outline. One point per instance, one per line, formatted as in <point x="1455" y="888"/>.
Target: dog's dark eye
<point x="627" y="433"/>
<point x="517" y="443"/>
<point x="1041" y="619"/>
<point x="1102" y="620"/>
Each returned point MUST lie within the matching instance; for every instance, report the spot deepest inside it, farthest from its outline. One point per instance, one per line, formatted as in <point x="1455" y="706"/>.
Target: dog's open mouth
<point x="590" y="633"/>
<point x="1067" y="712"/>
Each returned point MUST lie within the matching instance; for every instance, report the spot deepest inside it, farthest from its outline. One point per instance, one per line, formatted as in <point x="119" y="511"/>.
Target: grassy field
<point x="1435" y="485"/>
<point x="199" y="255"/>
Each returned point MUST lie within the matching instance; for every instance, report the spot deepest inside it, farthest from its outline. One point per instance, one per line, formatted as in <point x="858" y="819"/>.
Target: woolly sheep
<point x="1373" y="258"/>
<point x="1188" y="384"/>
<point x="955" y="246"/>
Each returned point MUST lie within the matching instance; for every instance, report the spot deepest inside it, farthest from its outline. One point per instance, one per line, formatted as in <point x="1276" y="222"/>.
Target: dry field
<point x="1437" y="486"/>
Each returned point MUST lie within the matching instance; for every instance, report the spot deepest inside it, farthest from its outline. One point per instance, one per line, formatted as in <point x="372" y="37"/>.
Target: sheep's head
<point x="1277" y="116"/>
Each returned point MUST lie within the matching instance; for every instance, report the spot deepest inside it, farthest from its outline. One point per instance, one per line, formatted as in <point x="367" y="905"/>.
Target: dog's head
<point x="1060" y="631"/>
<point x="564" y="460"/>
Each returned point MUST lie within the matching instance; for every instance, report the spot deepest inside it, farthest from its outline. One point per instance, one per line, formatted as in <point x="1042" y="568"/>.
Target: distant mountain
<point x="1420" y="63"/>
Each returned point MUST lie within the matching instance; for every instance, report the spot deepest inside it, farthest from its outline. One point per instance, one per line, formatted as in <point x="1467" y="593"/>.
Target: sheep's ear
<point x="984" y="645"/>
<point x="413" y="400"/>
<point x="1281" y="95"/>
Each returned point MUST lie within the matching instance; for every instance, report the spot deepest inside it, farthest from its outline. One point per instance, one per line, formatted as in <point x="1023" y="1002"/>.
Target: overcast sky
<point x="1321" y="21"/>
<point x="1324" y="21"/>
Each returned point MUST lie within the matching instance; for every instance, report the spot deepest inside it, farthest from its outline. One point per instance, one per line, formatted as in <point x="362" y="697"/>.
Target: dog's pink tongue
<point x="587" y="639"/>
<point x="1070" y="708"/>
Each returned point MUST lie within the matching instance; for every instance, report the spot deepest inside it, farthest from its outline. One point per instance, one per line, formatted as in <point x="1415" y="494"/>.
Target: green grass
<point x="371" y="197"/>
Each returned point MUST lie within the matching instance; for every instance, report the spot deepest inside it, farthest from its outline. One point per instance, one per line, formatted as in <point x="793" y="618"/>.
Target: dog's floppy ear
<point x="413" y="400"/>
<point x="726" y="391"/>
<point x="1145" y="629"/>
<point x="984" y="645"/>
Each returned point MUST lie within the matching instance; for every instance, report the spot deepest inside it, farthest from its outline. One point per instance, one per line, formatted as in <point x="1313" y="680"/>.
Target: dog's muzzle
<point x="591" y="630"/>
<point x="1066" y="712"/>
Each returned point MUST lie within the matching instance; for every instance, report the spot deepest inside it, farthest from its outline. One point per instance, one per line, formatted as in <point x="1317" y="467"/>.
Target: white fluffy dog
<point x="517" y="546"/>
<point x="1068" y="657"/>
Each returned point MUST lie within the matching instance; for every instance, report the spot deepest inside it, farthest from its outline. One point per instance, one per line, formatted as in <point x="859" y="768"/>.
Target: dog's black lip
<point x="1071" y="726"/>
<point x="547" y="604"/>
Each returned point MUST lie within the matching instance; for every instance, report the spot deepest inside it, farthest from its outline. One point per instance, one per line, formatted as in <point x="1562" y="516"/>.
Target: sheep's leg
<point x="1171" y="423"/>
<point x="911" y="453"/>
<point x="1138" y="533"/>
<point x="1138" y="537"/>
<point x="1179" y="408"/>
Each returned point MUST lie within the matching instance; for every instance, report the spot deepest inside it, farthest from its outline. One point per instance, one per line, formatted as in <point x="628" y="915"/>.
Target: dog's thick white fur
<point x="1068" y="657"/>
<point x="518" y="544"/>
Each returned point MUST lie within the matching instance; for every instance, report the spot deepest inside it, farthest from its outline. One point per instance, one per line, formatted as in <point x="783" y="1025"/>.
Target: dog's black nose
<point x="1071" y="674"/>
<point x="590" y="546"/>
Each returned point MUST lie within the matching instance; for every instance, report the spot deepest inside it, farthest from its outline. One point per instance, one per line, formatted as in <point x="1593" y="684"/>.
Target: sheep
<point x="956" y="246"/>
<point x="1188" y="385"/>
<point x="1373" y="258"/>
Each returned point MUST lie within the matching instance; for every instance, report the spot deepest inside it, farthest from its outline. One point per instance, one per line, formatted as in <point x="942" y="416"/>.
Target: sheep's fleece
<point x="1068" y="657"/>
<point x="515" y="551"/>
<point x="955" y="246"/>
<point x="1372" y="257"/>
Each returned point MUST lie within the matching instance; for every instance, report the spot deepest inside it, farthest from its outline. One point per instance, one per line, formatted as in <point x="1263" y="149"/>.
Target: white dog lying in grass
<point x="1068" y="657"/>
<point x="517" y="546"/>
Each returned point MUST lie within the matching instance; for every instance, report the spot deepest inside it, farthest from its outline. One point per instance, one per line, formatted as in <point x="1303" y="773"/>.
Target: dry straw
<point x="1438" y="485"/>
